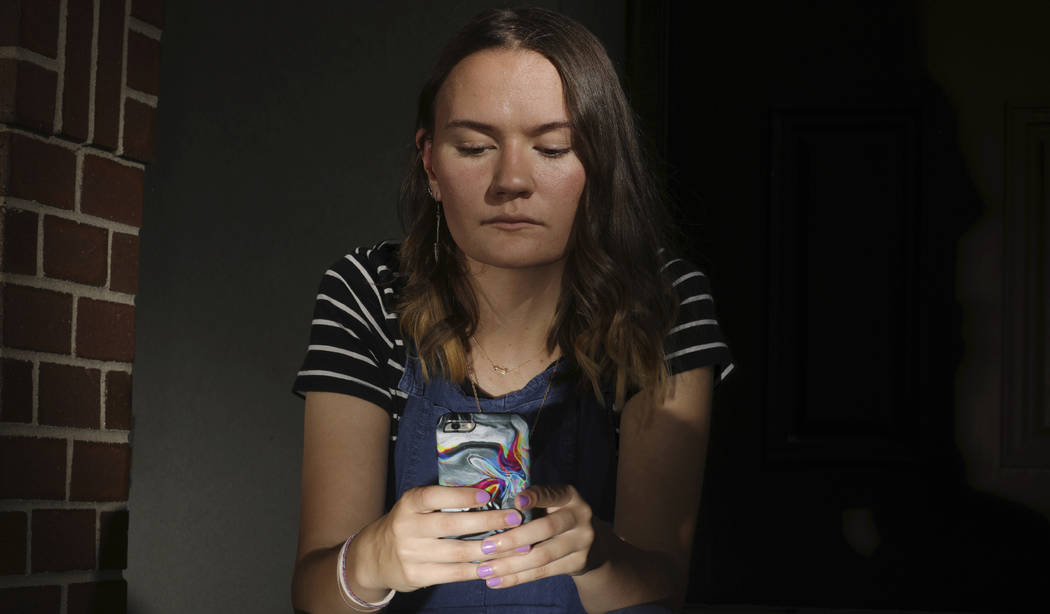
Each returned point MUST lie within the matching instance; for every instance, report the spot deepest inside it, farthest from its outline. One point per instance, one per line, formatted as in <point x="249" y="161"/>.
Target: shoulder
<point x="369" y="273"/>
<point x="696" y="339"/>
<point x="355" y="343"/>
<point x="682" y="274"/>
<point x="363" y="287"/>
<point x="376" y="263"/>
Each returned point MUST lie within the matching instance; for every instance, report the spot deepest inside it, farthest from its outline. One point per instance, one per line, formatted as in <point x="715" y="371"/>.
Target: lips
<point x="511" y="222"/>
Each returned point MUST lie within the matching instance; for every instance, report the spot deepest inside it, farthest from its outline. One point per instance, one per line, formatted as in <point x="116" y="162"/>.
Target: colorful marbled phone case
<point x="487" y="451"/>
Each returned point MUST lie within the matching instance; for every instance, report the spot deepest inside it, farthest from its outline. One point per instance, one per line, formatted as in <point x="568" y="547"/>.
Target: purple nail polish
<point x="513" y="518"/>
<point x="522" y="501"/>
<point x="524" y="548"/>
<point x="484" y="571"/>
<point x="488" y="547"/>
<point x="492" y="582"/>
<point x="482" y="497"/>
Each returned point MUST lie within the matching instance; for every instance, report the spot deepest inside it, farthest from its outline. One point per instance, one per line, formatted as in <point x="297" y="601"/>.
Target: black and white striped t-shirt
<point x="356" y="346"/>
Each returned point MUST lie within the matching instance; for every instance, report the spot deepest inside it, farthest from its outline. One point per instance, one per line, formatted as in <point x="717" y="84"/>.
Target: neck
<point x="516" y="309"/>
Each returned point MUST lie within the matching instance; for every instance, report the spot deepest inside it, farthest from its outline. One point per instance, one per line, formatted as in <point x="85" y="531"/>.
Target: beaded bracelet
<point x="349" y="598"/>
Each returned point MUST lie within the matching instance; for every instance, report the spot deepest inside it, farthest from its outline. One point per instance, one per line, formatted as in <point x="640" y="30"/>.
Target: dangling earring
<point x="437" y="221"/>
<point x="437" y="231"/>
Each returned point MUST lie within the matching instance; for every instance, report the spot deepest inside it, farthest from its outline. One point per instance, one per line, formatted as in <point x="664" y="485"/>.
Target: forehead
<point x="502" y="86"/>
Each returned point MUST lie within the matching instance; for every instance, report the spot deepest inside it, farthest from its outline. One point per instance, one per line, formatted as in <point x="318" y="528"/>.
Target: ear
<point x="425" y="144"/>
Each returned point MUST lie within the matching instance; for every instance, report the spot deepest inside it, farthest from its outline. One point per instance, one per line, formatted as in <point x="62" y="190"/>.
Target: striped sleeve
<point x="350" y="345"/>
<point x="696" y="339"/>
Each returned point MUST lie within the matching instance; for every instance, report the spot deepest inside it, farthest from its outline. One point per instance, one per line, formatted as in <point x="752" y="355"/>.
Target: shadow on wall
<point x="834" y="196"/>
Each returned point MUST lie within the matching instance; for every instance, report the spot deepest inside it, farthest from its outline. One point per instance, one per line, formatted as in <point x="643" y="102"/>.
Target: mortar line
<point x="69" y="361"/>
<point x="66" y="214"/>
<point x="40" y="244"/>
<point x="123" y="79"/>
<point x="69" y="466"/>
<point x="21" y="54"/>
<point x="77" y="290"/>
<point x="78" y="180"/>
<point x="63" y="18"/>
<point x="93" y="72"/>
<point x="146" y="29"/>
<point x="74" y="146"/>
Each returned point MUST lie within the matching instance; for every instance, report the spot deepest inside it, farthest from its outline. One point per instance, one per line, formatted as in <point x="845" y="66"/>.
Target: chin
<point x="517" y="259"/>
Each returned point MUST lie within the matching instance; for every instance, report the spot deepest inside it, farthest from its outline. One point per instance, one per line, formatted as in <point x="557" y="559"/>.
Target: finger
<point x="508" y="543"/>
<point x="423" y="499"/>
<point x="545" y="496"/>
<point x="429" y="574"/>
<point x="454" y="524"/>
<point x="545" y="560"/>
<point x="534" y="532"/>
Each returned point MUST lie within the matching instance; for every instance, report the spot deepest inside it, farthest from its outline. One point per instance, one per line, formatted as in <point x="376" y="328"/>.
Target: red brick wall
<point x="79" y="81"/>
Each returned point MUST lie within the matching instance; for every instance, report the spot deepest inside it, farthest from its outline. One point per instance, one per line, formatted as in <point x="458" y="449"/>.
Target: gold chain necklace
<point x="500" y="368"/>
<point x="546" y="392"/>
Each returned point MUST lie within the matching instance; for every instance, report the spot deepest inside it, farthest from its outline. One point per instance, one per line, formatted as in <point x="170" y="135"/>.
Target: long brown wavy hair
<point x="615" y="306"/>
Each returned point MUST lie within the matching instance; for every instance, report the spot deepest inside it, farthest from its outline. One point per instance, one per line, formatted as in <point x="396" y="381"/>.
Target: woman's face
<point x="501" y="161"/>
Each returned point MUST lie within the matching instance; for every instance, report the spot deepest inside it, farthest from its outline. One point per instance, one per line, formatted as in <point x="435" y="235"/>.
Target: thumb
<point x="555" y="495"/>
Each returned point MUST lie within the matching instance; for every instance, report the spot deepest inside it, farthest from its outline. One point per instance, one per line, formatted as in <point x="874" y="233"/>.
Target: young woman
<point x="531" y="280"/>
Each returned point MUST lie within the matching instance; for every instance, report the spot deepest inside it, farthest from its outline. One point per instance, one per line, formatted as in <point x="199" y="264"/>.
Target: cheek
<point x="460" y="180"/>
<point x="567" y="188"/>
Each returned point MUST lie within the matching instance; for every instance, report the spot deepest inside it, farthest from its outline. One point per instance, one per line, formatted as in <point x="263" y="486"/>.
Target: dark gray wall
<point x="283" y="133"/>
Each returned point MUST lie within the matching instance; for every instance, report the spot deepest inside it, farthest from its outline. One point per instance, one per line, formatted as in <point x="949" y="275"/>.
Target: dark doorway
<point x="819" y="181"/>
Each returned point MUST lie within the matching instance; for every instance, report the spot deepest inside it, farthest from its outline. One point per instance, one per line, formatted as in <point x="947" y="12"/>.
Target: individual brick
<point x="150" y="11"/>
<point x="12" y="543"/>
<point x="108" y="597"/>
<point x="35" y="599"/>
<point x="143" y="63"/>
<point x="105" y="330"/>
<point x="124" y="263"/>
<point x="140" y="125"/>
<point x="76" y="88"/>
<point x="8" y="87"/>
<point x="113" y="540"/>
<point x="112" y="190"/>
<point x="75" y="252"/>
<point x="9" y="23"/>
<point x="36" y="319"/>
<point x="27" y="95"/>
<point x="100" y="471"/>
<point x="32" y="468"/>
<point x="19" y="248"/>
<point x="118" y="400"/>
<point x="17" y="391"/>
<point x="39" y="27"/>
<point x="108" y="72"/>
<point x="69" y="396"/>
<point x="36" y="170"/>
<point x="63" y="540"/>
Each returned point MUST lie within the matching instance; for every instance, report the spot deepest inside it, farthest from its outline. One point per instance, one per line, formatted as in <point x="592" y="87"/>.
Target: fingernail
<point x="524" y="548"/>
<point x="485" y="571"/>
<point x="513" y="518"/>
<point x="522" y="501"/>
<point x="488" y="547"/>
<point x="482" y="496"/>
<point x="492" y="582"/>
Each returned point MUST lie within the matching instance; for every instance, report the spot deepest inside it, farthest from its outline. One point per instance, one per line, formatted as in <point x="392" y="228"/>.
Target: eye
<point x="471" y="150"/>
<point x="553" y="152"/>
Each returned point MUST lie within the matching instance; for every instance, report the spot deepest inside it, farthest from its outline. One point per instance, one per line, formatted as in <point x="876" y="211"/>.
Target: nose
<point x="513" y="175"/>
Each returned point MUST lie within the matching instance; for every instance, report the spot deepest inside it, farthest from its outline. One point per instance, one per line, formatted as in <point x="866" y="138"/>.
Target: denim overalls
<point x="574" y="442"/>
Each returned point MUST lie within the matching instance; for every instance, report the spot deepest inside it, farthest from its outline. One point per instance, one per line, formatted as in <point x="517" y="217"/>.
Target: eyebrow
<point x="492" y="130"/>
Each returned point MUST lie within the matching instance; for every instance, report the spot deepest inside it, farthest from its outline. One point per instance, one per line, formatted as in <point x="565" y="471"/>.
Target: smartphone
<point x="486" y="451"/>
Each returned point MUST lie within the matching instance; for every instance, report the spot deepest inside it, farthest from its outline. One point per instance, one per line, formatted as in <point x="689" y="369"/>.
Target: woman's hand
<point x="564" y="541"/>
<point x="404" y="549"/>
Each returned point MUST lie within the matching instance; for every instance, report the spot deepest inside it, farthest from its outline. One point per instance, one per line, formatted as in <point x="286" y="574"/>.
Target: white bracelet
<point x="349" y="598"/>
